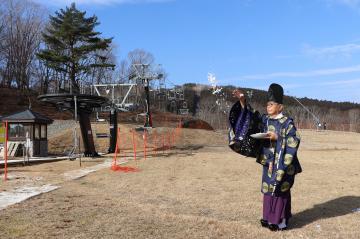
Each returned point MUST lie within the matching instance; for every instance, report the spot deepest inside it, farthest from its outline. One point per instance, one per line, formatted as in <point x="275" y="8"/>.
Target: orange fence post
<point x="154" y="142"/>
<point x="134" y="143"/>
<point x="163" y="143"/>
<point x="119" y="139"/>
<point x="5" y="150"/>
<point x="173" y="137"/>
<point x="124" y="144"/>
<point x="178" y="130"/>
<point x="144" y="138"/>
<point x="169" y="139"/>
<point x="2" y="137"/>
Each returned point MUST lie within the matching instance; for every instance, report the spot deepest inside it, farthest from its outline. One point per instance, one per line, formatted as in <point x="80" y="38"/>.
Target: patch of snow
<point x="23" y="193"/>
<point x="26" y="192"/>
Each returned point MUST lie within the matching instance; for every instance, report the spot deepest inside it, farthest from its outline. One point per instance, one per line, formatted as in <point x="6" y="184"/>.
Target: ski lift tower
<point x="143" y="74"/>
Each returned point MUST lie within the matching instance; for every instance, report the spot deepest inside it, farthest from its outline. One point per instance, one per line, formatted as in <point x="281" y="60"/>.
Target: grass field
<point x="199" y="189"/>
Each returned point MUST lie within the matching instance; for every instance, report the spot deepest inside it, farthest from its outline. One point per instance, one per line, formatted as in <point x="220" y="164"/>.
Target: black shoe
<point x="274" y="228"/>
<point x="264" y="223"/>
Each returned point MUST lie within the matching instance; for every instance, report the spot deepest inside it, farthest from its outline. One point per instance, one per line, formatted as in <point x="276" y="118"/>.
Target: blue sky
<point x="311" y="47"/>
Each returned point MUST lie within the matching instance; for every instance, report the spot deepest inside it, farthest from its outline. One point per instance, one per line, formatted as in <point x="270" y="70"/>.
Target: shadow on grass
<point x="333" y="208"/>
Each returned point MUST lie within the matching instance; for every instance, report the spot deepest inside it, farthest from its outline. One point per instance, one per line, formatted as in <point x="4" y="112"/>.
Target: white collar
<point x="279" y="116"/>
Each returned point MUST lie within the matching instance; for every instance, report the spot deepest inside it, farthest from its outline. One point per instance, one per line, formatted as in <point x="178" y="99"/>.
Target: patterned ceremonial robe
<point x="243" y="123"/>
<point x="281" y="154"/>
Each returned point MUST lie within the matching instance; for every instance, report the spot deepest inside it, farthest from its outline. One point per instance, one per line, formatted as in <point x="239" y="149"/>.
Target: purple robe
<point x="277" y="208"/>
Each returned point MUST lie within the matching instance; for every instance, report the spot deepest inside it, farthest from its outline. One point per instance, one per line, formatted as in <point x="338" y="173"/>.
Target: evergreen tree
<point x="72" y="46"/>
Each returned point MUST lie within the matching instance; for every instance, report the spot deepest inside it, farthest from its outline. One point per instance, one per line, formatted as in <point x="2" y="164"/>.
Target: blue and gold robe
<point x="281" y="154"/>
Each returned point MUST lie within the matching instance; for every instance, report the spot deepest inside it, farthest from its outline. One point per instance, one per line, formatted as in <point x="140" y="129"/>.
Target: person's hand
<point x="271" y="167"/>
<point x="272" y="136"/>
<point x="239" y="94"/>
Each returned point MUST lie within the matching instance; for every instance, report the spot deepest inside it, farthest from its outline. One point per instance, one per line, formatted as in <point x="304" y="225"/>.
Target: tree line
<point x="343" y="116"/>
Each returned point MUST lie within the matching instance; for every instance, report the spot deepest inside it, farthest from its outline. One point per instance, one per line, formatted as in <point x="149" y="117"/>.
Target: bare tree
<point x="45" y="79"/>
<point x="21" y="39"/>
<point x="140" y="56"/>
<point x="2" y="34"/>
<point x="140" y="62"/>
<point x="101" y="75"/>
<point x="122" y="74"/>
<point x="354" y="117"/>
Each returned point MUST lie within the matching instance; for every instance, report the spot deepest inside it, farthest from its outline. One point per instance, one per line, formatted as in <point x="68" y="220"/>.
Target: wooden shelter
<point x="27" y="128"/>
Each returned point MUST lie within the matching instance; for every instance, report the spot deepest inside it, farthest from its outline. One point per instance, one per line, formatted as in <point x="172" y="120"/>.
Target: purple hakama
<point x="275" y="209"/>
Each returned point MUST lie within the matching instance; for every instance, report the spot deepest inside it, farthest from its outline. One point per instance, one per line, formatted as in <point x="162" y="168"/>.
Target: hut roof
<point x="27" y="116"/>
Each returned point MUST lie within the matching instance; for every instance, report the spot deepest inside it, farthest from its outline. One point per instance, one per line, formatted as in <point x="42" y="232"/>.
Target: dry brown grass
<point x="198" y="190"/>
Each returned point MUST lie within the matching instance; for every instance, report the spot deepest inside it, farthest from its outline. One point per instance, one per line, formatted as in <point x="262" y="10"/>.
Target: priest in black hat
<point x="276" y="152"/>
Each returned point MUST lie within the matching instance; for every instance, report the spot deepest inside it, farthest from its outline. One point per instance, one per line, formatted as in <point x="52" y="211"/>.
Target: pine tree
<point x="72" y="45"/>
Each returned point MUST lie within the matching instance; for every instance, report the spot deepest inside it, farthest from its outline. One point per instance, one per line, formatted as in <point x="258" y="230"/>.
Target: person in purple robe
<point x="276" y="152"/>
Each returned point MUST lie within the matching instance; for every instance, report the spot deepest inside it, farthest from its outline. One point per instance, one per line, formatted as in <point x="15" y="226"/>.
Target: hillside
<point x="260" y="96"/>
<point x="344" y="116"/>
<point x="13" y="100"/>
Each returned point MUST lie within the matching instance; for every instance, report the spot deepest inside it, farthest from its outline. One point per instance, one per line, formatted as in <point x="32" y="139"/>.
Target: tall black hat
<point x="275" y="93"/>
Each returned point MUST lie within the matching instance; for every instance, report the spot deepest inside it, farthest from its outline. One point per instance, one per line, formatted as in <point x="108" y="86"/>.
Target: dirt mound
<point x="197" y="124"/>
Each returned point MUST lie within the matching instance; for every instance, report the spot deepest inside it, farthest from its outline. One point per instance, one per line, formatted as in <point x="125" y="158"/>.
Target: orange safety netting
<point x="152" y="145"/>
<point x="125" y="169"/>
<point x="114" y="166"/>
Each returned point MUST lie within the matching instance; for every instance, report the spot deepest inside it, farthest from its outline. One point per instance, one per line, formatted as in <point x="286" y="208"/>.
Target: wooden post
<point x="173" y="137"/>
<point x="163" y="143"/>
<point x="154" y="142"/>
<point x="169" y="139"/>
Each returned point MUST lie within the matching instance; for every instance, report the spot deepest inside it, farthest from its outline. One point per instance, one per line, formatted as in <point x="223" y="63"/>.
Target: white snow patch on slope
<point x="23" y="193"/>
